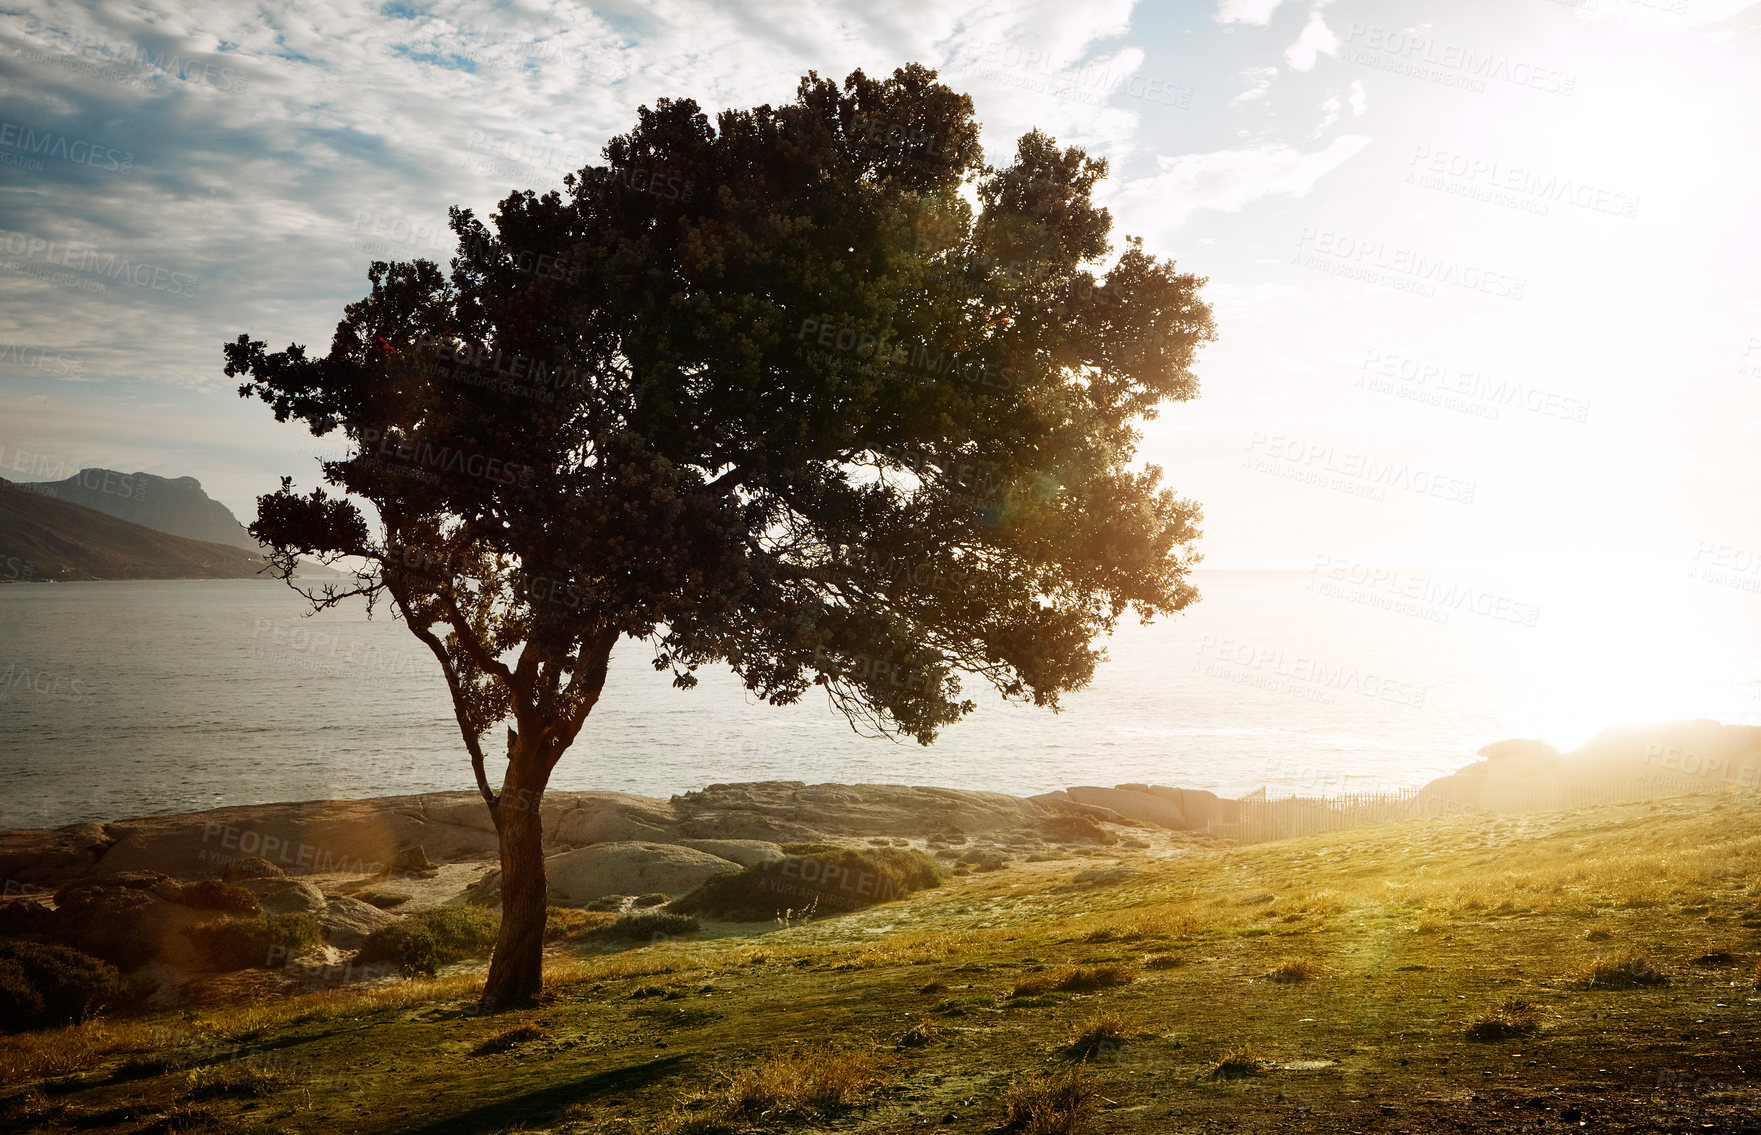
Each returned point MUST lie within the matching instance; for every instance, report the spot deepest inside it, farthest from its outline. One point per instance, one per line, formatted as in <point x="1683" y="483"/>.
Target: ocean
<point x="123" y="699"/>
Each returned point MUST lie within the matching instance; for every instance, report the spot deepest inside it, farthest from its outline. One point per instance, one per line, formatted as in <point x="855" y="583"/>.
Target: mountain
<point x="170" y="504"/>
<point x="44" y="538"/>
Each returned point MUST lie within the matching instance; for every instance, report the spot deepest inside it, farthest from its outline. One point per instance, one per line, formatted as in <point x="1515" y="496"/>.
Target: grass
<point x="1100" y="1034"/>
<point x="429" y="939"/>
<point x="1394" y="1012"/>
<point x="1295" y="970"/>
<point x="810" y="1083"/>
<point x="832" y="881"/>
<point x="509" y="1038"/>
<point x="648" y="925"/>
<point x="1238" y="1064"/>
<point x="1074" y="979"/>
<point x="1514" y="1018"/>
<point x="1629" y="969"/>
<point x="1062" y="1103"/>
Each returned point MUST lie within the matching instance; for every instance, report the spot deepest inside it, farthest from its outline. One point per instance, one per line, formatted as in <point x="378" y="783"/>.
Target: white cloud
<point x="1257" y="12"/>
<point x="1316" y="38"/>
<point x="1225" y="181"/>
<point x="1329" y="115"/>
<point x="1259" y="82"/>
<point x="1359" y="101"/>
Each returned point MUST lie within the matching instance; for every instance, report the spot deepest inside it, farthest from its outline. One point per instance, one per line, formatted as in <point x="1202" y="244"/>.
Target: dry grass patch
<point x="509" y="1038"/>
<point x="1295" y="970"/>
<point x="1514" y="1018"/>
<point x="1060" y="1104"/>
<point x="920" y="1034"/>
<point x="1627" y="970"/>
<point x="1075" y="979"/>
<point x="1100" y="1034"/>
<point x="1238" y="1065"/>
<point x="806" y="1084"/>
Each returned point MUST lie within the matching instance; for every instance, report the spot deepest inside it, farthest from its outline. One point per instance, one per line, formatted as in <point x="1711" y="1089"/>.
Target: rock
<point x="612" y="817"/>
<point x="251" y="867"/>
<point x="346" y="922"/>
<point x="1687" y="756"/>
<point x="320" y="837"/>
<point x="44" y="859"/>
<point x="285" y="896"/>
<point x="580" y="876"/>
<point x="1060" y="803"/>
<point x="1075" y="829"/>
<point x="126" y="920"/>
<point x="784" y="811"/>
<point x="1519" y="748"/>
<point x="411" y="859"/>
<point x="1133" y="805"/>
<point x="745" y="852"/>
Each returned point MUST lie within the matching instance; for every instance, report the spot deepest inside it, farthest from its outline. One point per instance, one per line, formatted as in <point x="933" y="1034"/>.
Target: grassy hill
<point x="1591" y="969"/>
<point x="45" y="538"/>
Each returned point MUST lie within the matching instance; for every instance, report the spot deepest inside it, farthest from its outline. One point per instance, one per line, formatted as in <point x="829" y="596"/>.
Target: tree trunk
<point x="516" y="971"/>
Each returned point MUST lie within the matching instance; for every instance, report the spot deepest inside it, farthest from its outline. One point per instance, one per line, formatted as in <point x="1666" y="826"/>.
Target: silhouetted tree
<point x="771" y="393"/>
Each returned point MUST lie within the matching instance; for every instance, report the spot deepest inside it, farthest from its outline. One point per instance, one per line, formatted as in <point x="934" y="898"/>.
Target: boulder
<point x="126" y="919"/>
<point x="1520" y="748"/>
<point x="346" y="922"/>
<point x="1132" y="805"/>
<point x="1686" y="755"/>
<point x="745" y="852"/>
<point x="33" y="859"/>
<point x="251" y="867"/>
<point x="580" y="876"/>
<point x="411" y="859"/>
<point x="1202" y="808"/>
<point x="285" y="896"/>
<point x="612" y="817"/>
<point x="780" y="811"/>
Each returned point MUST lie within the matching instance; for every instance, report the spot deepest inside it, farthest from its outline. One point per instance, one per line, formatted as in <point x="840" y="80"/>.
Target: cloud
<point x="1359" y="102"/>
<point x="1259" y="82"/>
<point x="1329" y="115"/>
<point x="1257" y="12"/>
<point x="1316" y="38"/>
<point x="1224" y="181"/>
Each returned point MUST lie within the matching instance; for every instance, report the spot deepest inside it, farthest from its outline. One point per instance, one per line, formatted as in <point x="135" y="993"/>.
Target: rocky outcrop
<point x="578" y="877"/>
<point x="745" y="852"/>
<point x="1625" y="762"/>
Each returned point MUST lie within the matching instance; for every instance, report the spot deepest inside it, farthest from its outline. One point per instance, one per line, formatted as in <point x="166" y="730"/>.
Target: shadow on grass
<point x="547" y="1103"/>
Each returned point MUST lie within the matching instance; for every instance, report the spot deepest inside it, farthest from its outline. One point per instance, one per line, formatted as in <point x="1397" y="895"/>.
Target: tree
<point x="772" y="394"/>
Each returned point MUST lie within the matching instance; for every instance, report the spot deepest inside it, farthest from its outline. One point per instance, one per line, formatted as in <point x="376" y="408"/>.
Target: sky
<point x="1485" y="275"/>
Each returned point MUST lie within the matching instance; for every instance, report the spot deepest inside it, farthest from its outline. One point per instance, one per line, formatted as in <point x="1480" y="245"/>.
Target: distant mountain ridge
<point x="45" y="538"/>
<point x="169" y="504"/>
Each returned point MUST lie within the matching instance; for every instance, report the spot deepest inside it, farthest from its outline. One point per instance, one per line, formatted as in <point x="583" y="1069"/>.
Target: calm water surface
<point x="138" y="698"/>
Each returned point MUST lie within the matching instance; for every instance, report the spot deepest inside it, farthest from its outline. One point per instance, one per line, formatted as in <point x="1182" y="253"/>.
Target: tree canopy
<point x="813" y="392"/>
